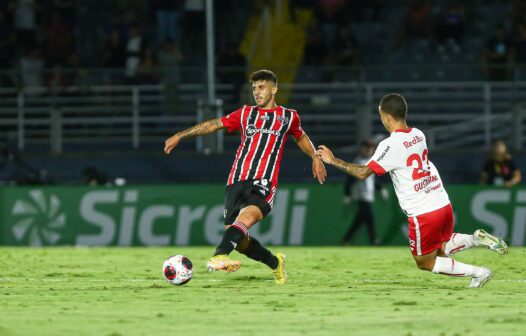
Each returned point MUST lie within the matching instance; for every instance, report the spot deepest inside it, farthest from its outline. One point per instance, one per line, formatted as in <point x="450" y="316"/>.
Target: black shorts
<point x="252" y="192"/>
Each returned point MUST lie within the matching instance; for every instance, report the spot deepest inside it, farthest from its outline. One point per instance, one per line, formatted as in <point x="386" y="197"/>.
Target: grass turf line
<point x="332" y="291"/>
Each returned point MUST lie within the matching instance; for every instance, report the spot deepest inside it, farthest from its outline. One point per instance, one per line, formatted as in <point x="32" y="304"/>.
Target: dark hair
<point x="394" y="105"/>
<point x="264" y="74"/>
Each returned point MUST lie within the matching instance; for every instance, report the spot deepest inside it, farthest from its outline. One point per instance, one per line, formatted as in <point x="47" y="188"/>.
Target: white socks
<point x="448" y="266"/>
<point x="459" y="242"/>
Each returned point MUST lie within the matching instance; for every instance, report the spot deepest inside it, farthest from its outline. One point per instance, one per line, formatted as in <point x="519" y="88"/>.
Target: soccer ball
<point x="177" y="270"/>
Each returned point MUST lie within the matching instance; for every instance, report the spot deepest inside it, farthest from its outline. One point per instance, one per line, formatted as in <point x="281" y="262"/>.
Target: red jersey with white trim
<point x="416" y="180"/>
<point x="263" y="136"/>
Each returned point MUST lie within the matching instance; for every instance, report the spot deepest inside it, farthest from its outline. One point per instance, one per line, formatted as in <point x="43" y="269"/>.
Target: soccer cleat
<point x="482" y="238"/>
<point x="222" y="262"/>
<point x="280" y="275"/>
<point x="477" y="282"/>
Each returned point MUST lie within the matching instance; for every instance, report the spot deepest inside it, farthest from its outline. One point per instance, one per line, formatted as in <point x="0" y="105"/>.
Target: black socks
<point x="232" y="237"/>
<point x="260" y="253"/>
<point x="236" y="237"/>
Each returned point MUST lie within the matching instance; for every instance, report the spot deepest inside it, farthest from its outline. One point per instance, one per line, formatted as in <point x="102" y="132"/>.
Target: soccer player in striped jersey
<point x="421" y="195"/>
<point x="253" y="179"/>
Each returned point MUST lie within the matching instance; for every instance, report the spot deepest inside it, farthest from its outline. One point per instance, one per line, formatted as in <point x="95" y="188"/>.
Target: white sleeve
<point x="385" y="158"/>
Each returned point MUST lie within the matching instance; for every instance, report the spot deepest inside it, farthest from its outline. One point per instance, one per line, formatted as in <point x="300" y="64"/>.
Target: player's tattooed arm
<point x="206" y="127"/>
<point x="358" y="171"/>
<point x="355" y="170"/>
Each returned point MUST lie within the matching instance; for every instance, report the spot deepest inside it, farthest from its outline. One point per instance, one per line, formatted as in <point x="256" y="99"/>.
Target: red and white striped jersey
<point x="263" y="136"/>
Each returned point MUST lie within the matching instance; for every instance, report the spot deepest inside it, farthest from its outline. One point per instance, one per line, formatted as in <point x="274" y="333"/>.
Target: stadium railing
<point x="455" y="115"/>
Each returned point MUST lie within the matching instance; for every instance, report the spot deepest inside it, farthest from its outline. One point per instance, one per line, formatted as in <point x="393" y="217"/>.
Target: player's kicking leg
<point x="232" y="237"/>
<point x="236" y="237"/>
<point x="461" y="242"/>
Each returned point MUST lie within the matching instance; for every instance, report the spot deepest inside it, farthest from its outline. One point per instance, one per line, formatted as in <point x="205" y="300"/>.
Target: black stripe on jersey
<point x="279" y="141"/>
<point x="241" y="146"/>
<point x="251" y="120"/>
<point x="261" y="145"/>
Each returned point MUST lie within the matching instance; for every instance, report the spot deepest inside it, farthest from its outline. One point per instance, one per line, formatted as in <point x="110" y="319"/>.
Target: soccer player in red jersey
<point x="253" y="179"/>
<point x="421" y="195"/>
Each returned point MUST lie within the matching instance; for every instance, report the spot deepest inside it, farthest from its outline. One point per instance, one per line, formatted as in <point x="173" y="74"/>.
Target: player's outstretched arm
<point x="318" y="169"/>
<point x="358" y="171"/>
<point x="206" y="127"/>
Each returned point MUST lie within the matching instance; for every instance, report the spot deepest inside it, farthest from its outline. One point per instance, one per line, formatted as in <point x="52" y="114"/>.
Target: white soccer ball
<point x="177" y="270"/>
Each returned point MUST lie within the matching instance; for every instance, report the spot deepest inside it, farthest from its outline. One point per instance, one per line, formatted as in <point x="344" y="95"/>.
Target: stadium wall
<point x="193" y="215"/>
<point x="142" y="168"/>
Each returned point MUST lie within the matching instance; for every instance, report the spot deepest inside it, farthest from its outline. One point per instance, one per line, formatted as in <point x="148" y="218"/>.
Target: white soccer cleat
<point x="482" y="238"/>
<point x="479" y="281"/>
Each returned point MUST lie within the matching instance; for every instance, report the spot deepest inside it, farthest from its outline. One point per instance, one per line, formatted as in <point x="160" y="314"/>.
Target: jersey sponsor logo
<point x="252" y="130"/>
<point x="428" y="190"/>
<point x="264" y="117"/>
<point x="383" y="153"/>
<point x="284" y="120"/>
<point x="262" y="185"/>
<point x="427" y="181"/>
<point x="413" y="142"/>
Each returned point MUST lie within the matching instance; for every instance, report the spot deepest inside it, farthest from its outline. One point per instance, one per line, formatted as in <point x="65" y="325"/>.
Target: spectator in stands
<point x="170" y="58"/>
<point x="135" y="47"/>
<point x="314" y="49"/>
<point x="149" y="67"/>
<point x="498" y="54"/>
<point x="500" y="168"/>
<point x="57" y="41"/>
<point x="346" y="47"/>
<point x="451" y="24"/>
<point x="517" y="12"/>
<point x="520" y="49"/>
<point x="24" y="20"/>
<point x="229" y="18"/>
<point x="57" y="78"/>
<point x="330" y="14"/>
<point x="93" y="177"/>
<point x="31" y="67"/>
<point x="7" y="46"/>
<point x="117" y="24"/>
<point x="363" y="10"/>
<point x="345" y="53"/>
<point x="67" y="10"/>
<point x="15" y="170"/>
<point x="417" y="24"/>
<point x="169" y="15"/>
<point x="78" y="75"/>
<point x="231" y="70"/>
<point x="113" y="56"/>
<point x="194" y="19"/>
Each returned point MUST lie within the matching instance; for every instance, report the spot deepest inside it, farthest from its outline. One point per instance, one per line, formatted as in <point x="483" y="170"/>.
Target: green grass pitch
<point x="331" y="291"/>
